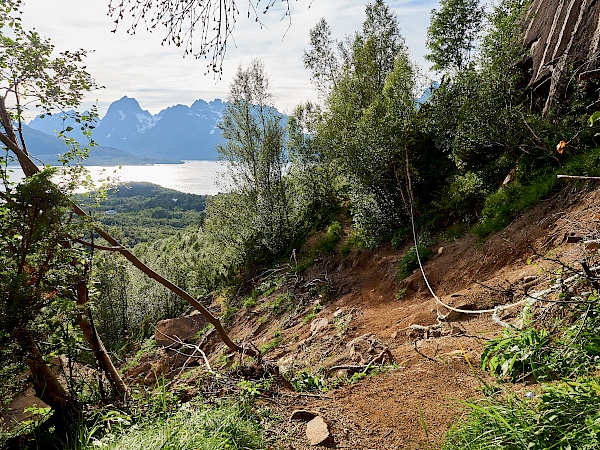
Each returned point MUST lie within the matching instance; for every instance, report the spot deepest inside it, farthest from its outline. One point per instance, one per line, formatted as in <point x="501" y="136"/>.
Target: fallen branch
<point x="421" y="353"/>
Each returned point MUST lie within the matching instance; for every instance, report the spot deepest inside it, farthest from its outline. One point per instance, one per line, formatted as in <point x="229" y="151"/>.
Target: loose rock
<point x="318" y="433"/>
<point x="318" y="325"/>
<point x="169" y="331"/>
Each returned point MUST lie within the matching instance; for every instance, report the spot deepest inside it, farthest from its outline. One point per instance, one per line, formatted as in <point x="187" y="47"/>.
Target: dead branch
<point x="363" y="368"/>
<point x="420" y="352"/>
<point x="590" y="74"/>
<point x="97" y="246"/>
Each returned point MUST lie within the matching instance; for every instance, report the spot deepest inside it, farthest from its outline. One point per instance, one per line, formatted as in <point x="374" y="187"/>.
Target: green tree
<point x="256" y="159"/>
<point x="37" y="273"/>
<point x="364" y="126"/>
<point x="452" y="34"/>
<point x="310" y="178"/>
<point x="323" y="59"/>
<point x="41" y="270"/>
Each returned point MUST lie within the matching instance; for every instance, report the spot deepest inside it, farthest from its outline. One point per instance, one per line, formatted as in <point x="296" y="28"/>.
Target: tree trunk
<point x="86" y="324"/>
<point x="46" y="382"/>
<point x="30" y="168"/>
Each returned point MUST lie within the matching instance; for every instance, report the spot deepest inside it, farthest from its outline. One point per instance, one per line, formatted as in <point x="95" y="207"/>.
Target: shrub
<point x="332" y="237"/>
<point x="410" y="260"/>
<point x="227" y="426"/>
<point x="517" y="354"/>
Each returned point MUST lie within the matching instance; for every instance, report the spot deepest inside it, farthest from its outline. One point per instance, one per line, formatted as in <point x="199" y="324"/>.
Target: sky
<point x="159" y="76"/>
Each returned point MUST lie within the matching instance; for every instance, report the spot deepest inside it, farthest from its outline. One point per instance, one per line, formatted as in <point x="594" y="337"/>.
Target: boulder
<point x="26" y="407"/>
<point x="170" y="331"/>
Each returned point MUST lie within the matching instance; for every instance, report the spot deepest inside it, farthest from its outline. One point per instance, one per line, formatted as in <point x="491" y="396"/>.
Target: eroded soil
<point x="346" y="317"/>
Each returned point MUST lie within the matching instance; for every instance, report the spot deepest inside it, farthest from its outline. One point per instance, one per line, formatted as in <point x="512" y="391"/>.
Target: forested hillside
<point x="309" y="276"/>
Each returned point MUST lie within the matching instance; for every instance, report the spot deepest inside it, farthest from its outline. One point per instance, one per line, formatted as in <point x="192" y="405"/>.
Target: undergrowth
<point x="228" y="426"/>
<point x="562" y="416"/>
<point x="410" y="260"/>
<point x="562" y="355"/>
<point x="501" y="207"/>
<point x="157" y="419"/>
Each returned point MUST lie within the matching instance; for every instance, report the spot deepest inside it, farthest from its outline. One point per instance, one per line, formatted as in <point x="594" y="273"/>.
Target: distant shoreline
<point x="117" y="164"/>
<point x="191" y="176"/>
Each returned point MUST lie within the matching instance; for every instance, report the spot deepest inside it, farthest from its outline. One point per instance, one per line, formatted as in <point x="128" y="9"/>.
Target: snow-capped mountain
<point x="177" y="132"/>
<point x="46" y="148"/>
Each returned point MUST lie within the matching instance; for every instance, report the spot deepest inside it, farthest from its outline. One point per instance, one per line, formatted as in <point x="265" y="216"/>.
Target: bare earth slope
<point x="343" y="316"/>
<point x="438" y="361"/>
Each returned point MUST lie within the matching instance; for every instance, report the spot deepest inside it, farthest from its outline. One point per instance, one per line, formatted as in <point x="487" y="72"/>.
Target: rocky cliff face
<point x="564" y="38"/>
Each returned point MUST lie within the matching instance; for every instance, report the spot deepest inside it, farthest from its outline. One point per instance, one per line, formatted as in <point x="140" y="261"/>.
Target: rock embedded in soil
<point x="318" y="432"/>
<point x="171" y="331"/>
<point x="318" y="325"/>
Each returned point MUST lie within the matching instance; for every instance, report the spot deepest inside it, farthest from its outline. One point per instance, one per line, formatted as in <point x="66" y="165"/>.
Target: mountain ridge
<point x="178" y="132"/>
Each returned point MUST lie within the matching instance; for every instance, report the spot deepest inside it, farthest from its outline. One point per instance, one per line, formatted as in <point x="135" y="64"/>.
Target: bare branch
<point x="578" y="177"/>
<point x="97" y="246"/>
<point x="201" y="27"/>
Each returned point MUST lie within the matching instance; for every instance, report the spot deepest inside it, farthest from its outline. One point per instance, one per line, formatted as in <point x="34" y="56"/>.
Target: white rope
<point x="531" y="299"/>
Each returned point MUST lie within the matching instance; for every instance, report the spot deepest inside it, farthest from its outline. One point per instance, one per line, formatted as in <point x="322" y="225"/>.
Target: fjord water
<point x="192" y="177"/>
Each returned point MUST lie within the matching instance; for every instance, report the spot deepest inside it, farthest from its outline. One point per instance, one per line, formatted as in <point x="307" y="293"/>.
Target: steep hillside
<point x="345" y="316"/>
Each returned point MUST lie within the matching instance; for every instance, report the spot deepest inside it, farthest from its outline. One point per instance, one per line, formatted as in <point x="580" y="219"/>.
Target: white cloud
<point x="158" y="76"/>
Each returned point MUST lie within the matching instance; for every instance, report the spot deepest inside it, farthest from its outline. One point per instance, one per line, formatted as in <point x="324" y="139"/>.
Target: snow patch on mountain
<point x="146" y="122"/>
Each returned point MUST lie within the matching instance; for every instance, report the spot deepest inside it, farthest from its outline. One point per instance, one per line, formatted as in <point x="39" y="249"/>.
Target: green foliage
<point x="38" y="275"/>
<point x="401" y="293"/>
<point x="227" y="426"/>
<point x="452" y="34"/>
<point x="272" y="344"/>
<point x="517" y="354"/>
<point x="322" y="59"/>
<point x="502" y="207"/>
<point x="142" y="212"/>
<point x="283" y="302"/>
<point x="148" y="347"/>
<point x="331" y="238"/>
<point x="364" y="127"/>
<point x="410" y="260"/>
<point x="249" y="390"/>
<point x="255" y="156"/>
<point x="564" y="416"/>
<point x="305" y="381"/>
<point x="316" y="309"/>
<point x="571" y="350"/>
<point x="32" y="72"/>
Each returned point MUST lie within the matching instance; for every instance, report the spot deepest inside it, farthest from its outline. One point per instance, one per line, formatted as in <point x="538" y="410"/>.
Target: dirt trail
<point x="343" y="315"/>
<point x="438" y="362"/>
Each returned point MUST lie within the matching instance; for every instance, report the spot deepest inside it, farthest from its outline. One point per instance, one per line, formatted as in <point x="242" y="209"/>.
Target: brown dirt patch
<point x="437" y="361"/>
